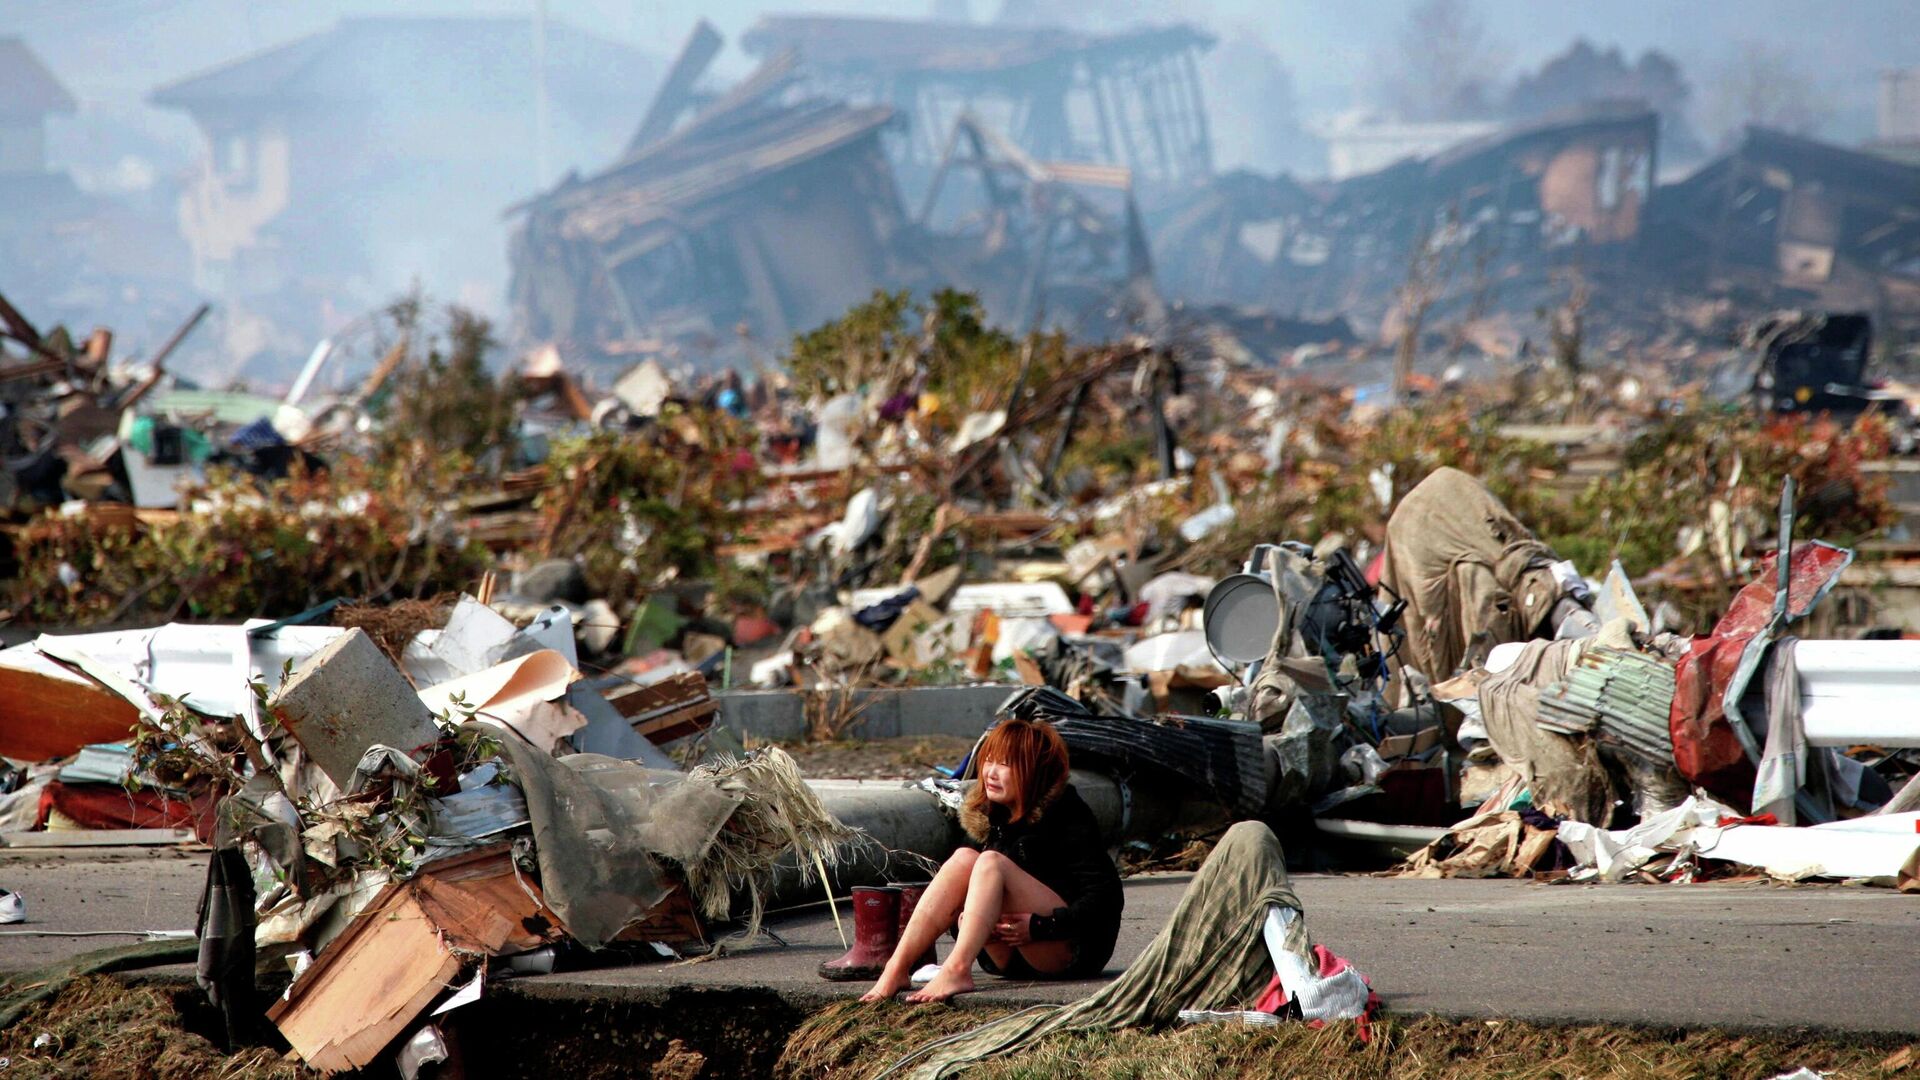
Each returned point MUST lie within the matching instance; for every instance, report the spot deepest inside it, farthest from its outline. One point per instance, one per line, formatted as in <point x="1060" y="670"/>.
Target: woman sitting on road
<point x="1034" y="892"/>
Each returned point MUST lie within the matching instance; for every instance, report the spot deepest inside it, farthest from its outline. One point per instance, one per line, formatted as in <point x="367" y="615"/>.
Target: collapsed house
<point x="1504" y="222"/>
<point x="757" y="218"/>
<point x="1043" y="243"/>
<point x="1130" y="98"/>
<point x="770" y="211"/>
<point x="1789" y="221"/>
<point x="1456" y="226"/>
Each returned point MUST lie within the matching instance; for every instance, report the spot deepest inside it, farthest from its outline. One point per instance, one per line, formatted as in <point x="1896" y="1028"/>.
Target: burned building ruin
<point x="734" y="221"/>
<point x="1130" y="98"/>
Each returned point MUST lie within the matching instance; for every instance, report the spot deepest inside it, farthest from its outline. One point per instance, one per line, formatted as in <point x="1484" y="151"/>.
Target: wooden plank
<point x="32" y="369"/>
<point x="376" y="978"/>
<point x="383" y="371"/>
<point x="679" y="723"/>
<point x="64" y="838"/>
<point x="670" y="709"/>
<point x="51" y="711"/>
<point x="676" y="90"/>
<point x="686" y="688"/>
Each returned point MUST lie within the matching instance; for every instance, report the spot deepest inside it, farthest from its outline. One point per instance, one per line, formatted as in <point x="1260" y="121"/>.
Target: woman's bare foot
<point x="883" y="990"/>
<point x="944" y="985"/>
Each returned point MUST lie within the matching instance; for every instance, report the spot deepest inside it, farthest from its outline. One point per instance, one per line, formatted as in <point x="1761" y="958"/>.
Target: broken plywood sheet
<point x="52" y="711"/>
<point x="377" y="977"/>
<point x="367" y="987"/>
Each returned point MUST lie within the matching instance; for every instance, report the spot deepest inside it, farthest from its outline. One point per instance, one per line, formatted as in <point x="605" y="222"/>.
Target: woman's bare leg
<point x="997" y="885"/>
<point x="936" y="911"/>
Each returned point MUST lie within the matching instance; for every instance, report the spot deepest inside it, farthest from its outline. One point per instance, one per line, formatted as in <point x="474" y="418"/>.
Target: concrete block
<point x="780" y="715"/>
<point x="347" y="697"/>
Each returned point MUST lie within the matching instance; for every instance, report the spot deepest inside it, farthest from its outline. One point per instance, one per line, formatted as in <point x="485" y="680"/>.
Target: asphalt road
<point x="96" y="890"/>
<point x="1736" y="955"/>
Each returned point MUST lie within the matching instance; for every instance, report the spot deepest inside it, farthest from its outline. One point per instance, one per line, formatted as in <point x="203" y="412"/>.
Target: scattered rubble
<point x="1235" y="597"/>
<point x="1505" y="508"/>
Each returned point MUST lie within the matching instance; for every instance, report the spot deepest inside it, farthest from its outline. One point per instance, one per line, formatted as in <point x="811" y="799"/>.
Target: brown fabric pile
<point x="1473" y="577"/>
<point x="1564" y="772"/>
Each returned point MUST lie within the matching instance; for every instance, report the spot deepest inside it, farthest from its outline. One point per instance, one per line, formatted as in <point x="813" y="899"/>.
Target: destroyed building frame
<point x="1132" y="97"/>
<point x="716" y="229"/>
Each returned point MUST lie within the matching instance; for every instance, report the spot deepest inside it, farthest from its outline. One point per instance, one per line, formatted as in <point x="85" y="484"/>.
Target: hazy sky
<point x="117" y="50"/>
<point x="113" y="53"/>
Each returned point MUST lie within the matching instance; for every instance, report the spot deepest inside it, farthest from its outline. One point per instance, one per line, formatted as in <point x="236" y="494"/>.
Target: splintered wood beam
<point x="383" y="371"/>
<point x="676" y="90"/>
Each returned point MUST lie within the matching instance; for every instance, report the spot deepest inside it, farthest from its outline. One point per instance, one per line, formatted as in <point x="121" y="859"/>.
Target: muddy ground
<point x="904" y="758"/>
<point x="115" y="1029"/>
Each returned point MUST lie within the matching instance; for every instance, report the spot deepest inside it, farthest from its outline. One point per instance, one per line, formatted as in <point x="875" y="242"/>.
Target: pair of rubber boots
<point x="880" y="916"/>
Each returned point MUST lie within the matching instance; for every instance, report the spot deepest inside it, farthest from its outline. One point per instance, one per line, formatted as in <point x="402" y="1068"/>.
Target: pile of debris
<point x="921" y="500"/>
<point x="403" y="828"/>
<point x="1742" y="748"/>
<point x="73" y="425"/>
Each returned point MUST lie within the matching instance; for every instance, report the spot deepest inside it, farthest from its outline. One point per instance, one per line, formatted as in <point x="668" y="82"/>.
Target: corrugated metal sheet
<point x="479" y="812"/>
<point x="1618" y="696"/>
<point x="100" y="763"/>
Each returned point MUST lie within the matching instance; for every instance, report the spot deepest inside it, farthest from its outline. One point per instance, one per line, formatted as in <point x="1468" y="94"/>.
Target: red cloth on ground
<point x="109" y="806"/>
<point x="1329" y="964"/>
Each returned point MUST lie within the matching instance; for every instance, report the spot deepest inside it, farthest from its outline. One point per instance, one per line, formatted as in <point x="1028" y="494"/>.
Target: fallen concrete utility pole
<point x="904" y="820"/>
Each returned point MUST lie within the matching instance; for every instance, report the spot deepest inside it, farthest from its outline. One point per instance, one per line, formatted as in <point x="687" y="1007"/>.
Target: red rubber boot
<point x="910" y="899"/>
<point x="876" y="930"/>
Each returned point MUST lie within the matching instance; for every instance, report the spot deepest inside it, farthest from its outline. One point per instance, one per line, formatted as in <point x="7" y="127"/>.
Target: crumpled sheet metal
<point x="598" y="825"/>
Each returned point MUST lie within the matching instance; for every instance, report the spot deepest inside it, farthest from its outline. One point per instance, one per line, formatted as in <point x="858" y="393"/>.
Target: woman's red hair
<point x="1035" y="753"/>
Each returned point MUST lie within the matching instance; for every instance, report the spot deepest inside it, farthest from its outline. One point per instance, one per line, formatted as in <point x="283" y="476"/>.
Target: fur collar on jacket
<point x="974" y="811"/>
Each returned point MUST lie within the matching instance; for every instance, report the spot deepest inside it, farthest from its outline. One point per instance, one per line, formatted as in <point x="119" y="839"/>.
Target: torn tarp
<point x="599" y="823"/>
<point x="1712" y="746"/>
<point x="1565" y="773"/>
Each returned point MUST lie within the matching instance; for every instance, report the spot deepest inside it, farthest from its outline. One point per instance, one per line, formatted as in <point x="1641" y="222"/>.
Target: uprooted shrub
<point x="241" y="549"/>
<point x="443" y="398"/>
<point x="942" y="345"/>
<point x="637" y="511"/>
